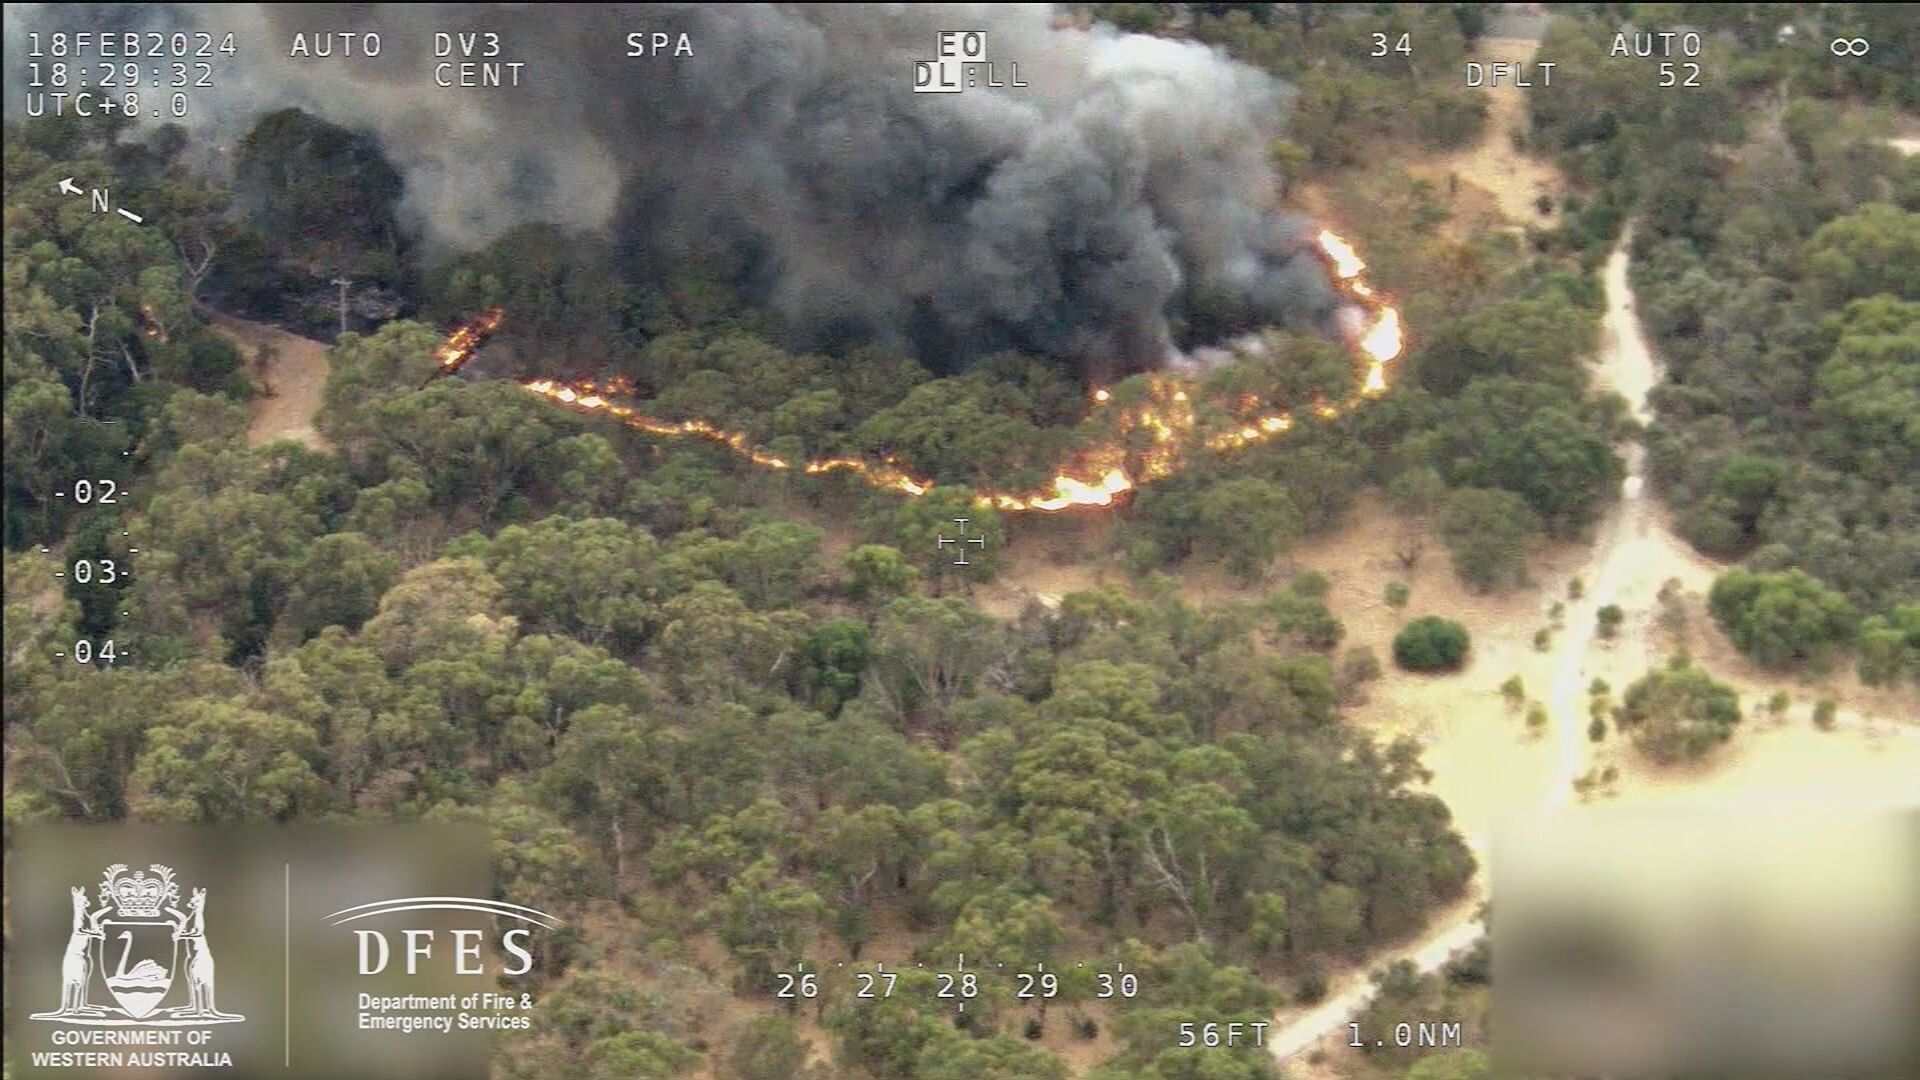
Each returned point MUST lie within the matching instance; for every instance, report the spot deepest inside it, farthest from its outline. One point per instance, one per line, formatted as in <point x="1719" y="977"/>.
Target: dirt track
<point x="1515" y="181"/>
<point x="1486" y="770"/>
<point x="290" y="386"/>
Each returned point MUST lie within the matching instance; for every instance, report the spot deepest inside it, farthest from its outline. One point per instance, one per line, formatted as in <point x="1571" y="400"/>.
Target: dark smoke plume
<point x="1123" y="193"/>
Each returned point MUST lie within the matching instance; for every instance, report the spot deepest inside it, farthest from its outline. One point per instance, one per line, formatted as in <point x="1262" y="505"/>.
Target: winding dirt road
<point x="1633" y="555"/>
<point x="1621" y="570"/>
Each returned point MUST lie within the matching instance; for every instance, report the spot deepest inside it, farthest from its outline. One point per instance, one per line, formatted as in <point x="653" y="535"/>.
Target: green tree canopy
<point x="1430" y="643"/>
<point x="1875" y="249"/>
<point x="315" y="185"/>
<point x="1780" y="619"/>
<point x="1488" y="532"/>
<point x="1248" y="521"/>
<point x="1679" y="713"/>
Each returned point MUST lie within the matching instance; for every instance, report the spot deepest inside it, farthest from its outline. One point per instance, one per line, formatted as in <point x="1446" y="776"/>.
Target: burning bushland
<point x="1096" y="476"/>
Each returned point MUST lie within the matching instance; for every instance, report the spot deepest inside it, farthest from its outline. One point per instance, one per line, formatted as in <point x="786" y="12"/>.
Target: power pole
<point x="343" y="283"/>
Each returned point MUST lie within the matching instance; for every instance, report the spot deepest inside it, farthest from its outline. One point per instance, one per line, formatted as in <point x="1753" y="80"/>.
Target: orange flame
<point x="1097" y="477"/>
<point x="153" y="328"/>
<point x="1347" y="263"/>
<point x="1382" y="342"/>
<point x="587" y="397"/>
<point x="463" y="343"/>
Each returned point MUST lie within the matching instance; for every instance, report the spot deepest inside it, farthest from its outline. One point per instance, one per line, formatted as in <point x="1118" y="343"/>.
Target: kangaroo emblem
<point x="191" y="931"/>
<point x="76" y="967"/>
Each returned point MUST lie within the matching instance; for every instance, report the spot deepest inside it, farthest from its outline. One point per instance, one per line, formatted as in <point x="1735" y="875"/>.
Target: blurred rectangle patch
<point x="370" y="952"/>
<point x="1766" y="945"/>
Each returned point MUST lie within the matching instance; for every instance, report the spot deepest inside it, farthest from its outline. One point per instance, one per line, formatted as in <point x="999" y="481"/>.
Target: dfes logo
<point x="463" y="952"/>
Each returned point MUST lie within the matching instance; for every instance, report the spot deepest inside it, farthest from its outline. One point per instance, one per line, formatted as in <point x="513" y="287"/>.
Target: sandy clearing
<point x="1514" y="180"/>
<point x="1048" y="558"/>
<point x="1484" y="764"/>
<point x="1485" y="768"/>
<point x="290" y="386"/>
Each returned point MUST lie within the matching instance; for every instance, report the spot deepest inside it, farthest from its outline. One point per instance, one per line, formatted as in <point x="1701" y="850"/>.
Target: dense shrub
<point x="1431" y="643"/>
<point x="1679" y="713"/>
<point x="1781" y="619"/>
